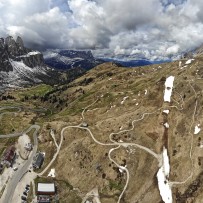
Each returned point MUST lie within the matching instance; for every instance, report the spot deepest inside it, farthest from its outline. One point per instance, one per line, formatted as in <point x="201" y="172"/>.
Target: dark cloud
<point x="154" y="29"/>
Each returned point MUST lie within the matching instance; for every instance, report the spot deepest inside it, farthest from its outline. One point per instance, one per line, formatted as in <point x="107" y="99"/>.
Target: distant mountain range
<point x="67" y="59"/>
<point x="20" y="66"/>
<point x="129" y="63"/>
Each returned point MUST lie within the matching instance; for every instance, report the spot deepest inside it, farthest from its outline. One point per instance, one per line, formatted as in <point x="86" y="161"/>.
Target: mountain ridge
<point x="67" y="59"/>
<point x="21" y="66"/>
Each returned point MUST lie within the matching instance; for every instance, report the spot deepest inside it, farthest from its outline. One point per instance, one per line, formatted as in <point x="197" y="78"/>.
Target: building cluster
<point x="8" y="157"/>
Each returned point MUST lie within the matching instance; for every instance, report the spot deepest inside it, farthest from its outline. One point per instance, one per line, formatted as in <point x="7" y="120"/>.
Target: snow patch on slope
<point x="166" y="111"/>
<point x="166" y="125"/>
<point x="22" y="74"/>
<point x="168" y="88"/>
<point x="189" y="61"/>
<point x="163" y="178"/>
<point x="52" y="173"/>
<point x="32" y="53"/>
<point x="122" y="102"/>
<point x="197" y="129"/>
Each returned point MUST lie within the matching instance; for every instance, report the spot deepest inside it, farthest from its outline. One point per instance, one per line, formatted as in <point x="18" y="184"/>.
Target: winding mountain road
<point x="115" y="145"/>
<point x="122" y="168"/>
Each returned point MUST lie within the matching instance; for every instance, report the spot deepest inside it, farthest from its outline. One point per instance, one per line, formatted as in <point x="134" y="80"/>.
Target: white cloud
<point x="119" y="51"/>
<point x="154" y="29"/>
<point x="27" y="33"/>
<point x="135" y="51"/>
<point x="172" y="50"/>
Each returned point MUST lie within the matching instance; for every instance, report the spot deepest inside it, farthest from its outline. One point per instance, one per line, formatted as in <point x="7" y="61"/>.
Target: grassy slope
<point x="114" y="84"/>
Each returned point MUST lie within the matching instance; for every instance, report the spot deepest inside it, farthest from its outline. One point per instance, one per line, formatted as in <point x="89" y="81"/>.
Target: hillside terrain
<point x="113" y="131"/>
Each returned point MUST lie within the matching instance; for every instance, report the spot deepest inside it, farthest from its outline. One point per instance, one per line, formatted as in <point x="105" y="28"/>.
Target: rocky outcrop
<point x="32" y="59"/>
<point x="20" y="67"/>
<point x="15" y="50"/>
<point x="21" y="49"/>
<point x="1" y="43"/>
<point x="4" y="57"/>
<point x="11" y="47"/>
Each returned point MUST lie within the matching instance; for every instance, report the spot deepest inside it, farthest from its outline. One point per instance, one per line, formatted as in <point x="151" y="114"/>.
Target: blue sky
<point x="175" y="2"/>
<point x="151" y="29"/>
<point x="62" y="4"/>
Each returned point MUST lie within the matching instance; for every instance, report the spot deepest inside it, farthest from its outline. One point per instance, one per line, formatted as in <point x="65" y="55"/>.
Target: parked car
<point x="23" y="198"/>
<point x="25" y="193"/>
<point x="27" y="188"/>
<point x="15" y="168"/>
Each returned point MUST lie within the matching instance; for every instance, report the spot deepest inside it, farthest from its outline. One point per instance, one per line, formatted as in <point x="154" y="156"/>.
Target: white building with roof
<point x="46" y="189"/>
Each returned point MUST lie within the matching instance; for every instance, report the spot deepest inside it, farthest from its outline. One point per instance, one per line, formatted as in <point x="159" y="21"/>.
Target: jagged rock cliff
<point x="21" y="66"/>
<point x="15" y="50"/>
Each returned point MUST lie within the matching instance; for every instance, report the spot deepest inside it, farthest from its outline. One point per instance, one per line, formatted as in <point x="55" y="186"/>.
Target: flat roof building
<point x="46" y="189"/>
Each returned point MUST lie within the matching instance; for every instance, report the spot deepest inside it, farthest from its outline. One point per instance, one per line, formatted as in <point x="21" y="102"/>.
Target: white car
<point x="15" y="168"/>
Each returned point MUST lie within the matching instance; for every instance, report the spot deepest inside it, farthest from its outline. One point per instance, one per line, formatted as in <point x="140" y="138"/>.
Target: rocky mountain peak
<point x="14" y="50"/>
<point x="20" y="43"/>
<point x="9" y="40"/>
<point x="11" y="46"/>
<point x="1" y="43"/>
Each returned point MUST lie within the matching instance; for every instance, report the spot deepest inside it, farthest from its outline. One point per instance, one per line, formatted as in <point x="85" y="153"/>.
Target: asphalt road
<point x="10" y="189"/>
<point x="11" y="135"/>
